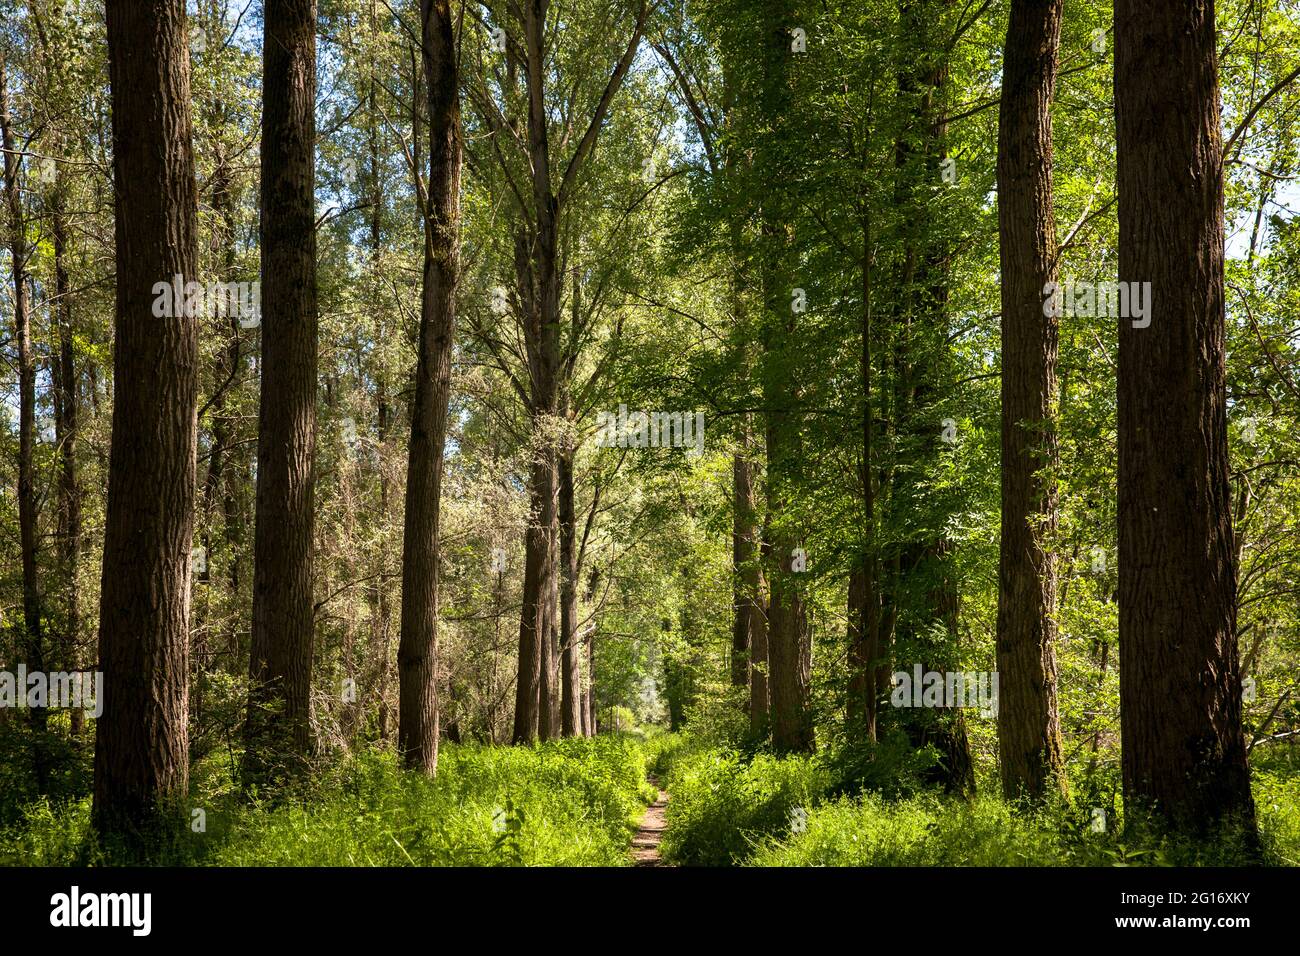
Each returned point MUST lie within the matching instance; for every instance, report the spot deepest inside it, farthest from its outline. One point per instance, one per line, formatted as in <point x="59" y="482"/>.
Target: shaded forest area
<point x="435" y="431"/>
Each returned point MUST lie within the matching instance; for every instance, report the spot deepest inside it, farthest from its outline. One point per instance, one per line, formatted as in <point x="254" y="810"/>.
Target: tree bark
<point x="537" y="573"/>
<point x="760" y="703"/>
<point x="1180" y="684"/>
<point x="1029" y="727"/>
<point x="141" y="739"/>
<point x="417" y="654"/>
<point x="539" y="286"/>
<point x="789" y="645"/>
<point x="864" y="606"/>
<point x="548" y="691"/>
<point x="67" y="431"/>
<point x="744" y="551"/>
<point x="278" y="732"/>
<point x="570" y="676"/>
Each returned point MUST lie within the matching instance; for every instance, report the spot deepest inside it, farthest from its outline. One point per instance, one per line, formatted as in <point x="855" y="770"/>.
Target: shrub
<point x="722" y="804"/>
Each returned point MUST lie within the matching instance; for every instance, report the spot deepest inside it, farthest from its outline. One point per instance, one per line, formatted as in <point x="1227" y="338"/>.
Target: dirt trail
<point x="645" y="845"/>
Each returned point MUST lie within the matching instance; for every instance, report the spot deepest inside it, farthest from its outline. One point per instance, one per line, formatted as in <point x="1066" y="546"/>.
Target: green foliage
<point x="892" y="767"/>
<point x="930" y="830"/>
<point x="564" y="803"/>
<point x="1277" y="806"/>
<point x="721" y="804"/>
<point x="726" y="809"/>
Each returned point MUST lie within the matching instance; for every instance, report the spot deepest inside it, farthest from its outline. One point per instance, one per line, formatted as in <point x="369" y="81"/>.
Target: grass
<point x="722" y="803"/>
<point x="728" y="808"/>
<point x="574" y="803"/>
<point x="563" y="803"/>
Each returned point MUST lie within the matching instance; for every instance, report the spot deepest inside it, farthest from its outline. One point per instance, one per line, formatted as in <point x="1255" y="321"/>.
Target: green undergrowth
<point x="562" y="803"/>
<point x="732" y="807"/>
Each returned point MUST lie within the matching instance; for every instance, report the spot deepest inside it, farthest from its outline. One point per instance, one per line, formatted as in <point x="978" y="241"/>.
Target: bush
<point x="721" y="804"/>
<point x="892" y="767"/>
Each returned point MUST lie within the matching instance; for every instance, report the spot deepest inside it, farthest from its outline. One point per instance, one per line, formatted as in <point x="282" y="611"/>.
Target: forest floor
<point x="573" y="802"/>
<point x="645" y="845"/>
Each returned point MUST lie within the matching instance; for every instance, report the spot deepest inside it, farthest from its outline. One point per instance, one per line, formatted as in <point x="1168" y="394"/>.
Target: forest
<point x="649" y="433"/>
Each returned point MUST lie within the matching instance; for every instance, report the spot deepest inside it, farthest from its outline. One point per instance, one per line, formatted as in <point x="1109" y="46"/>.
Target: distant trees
<point x="1183" y="750"/>
<point x="922" y="597"/>
<point x="19" y="255"/>
<point x="516" y="108"/>
<point x="278" y="730"/>
<point x="141" y="739"/>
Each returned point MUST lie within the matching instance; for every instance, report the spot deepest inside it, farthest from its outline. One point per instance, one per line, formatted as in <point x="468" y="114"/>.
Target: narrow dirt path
<point x="645" y="845"/>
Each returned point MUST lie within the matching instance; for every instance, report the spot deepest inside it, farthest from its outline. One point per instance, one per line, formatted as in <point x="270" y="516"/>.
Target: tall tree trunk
<point x="67" y="432"/>
<point x="537" y="269"/>
<point x="27" y="517"/>
<point x="278" y="734"/>
<point x="570" y="675"/>
<point x="864" y="608"/>
<point x="537" y="573"/>
<point x="141" y="739"/>
<point x="744" y="550"/>
<point x="417" y="655"/>
<point x="760" y="703"/>
<point x="537" y="265"/>
<point x="548" y="714"/>
<point x="1029" y="726"/>
<point x="1180" y="682"/>
<point x="789" y="647"/>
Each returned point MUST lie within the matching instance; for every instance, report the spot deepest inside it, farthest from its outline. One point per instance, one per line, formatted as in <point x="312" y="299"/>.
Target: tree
<point x="1180" y="687"/>
<point x="27" y="512"/>
<point x="417" y="654"/>
<point x="789" y="641"/>
<point x="141" y="739"/>
<point x="570" y="678"/>
<point x="278" y="730"/>
<point x="544" y="199"/>
<point x="1029" y="733"/>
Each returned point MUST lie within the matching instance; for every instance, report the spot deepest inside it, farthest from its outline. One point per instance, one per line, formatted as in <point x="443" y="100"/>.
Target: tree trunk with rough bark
<point x="570" y="649"/>
<point x="417" y="656"/>
<point x="278" y="730"/>
<point x="141" y="739"/>
<point x="1029" y="726"/>
<point x="1180" y="682"/>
